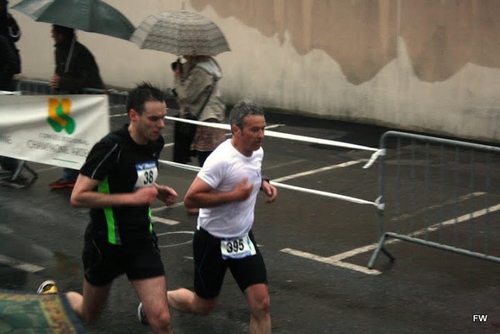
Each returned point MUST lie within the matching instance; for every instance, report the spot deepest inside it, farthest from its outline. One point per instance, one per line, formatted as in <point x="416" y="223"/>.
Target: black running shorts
<point x="103" y="262"/>
<point x="210" y="268"/>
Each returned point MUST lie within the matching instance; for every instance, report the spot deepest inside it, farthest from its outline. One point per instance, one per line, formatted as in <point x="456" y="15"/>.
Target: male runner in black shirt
<point x="118" y="183"/>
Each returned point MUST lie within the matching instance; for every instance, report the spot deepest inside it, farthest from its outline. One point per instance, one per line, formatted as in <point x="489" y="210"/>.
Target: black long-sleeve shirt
<point x="8" y="65"/>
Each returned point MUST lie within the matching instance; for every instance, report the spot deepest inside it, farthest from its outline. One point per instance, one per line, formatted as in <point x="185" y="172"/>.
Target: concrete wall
<point x="430" y="66"/>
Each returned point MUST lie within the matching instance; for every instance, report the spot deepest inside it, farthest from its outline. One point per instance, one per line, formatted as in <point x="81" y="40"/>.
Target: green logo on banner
<point x="59" y="115"/>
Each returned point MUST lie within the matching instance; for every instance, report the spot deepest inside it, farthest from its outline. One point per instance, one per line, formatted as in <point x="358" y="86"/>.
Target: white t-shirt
<point x="223" y="170"/>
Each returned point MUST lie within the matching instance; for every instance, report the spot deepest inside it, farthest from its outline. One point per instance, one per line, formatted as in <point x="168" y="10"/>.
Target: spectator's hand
<point x="166" y="194"/>
<point x="54" y="81"/>
<point x="243" y="190"/>
<point x="177" y="72"/>
<point x="145" y="195"/>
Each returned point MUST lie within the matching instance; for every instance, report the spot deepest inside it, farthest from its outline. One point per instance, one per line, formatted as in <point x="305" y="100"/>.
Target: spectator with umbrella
<point x="196" y="91"/>
<point x="76" y="67"/>
<point x="196" y="81"/>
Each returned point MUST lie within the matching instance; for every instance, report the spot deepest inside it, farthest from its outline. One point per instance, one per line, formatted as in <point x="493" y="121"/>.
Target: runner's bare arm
<point x="84" y="195"/>
<point x="202" y="195"/>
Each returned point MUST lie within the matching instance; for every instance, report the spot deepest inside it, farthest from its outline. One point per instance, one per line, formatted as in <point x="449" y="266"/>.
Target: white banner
<point x="56" y="130"/>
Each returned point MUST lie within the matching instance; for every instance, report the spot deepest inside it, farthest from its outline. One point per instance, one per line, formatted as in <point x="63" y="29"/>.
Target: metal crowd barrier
<point x="439" y="193"/>
<point x="33" y="87"/>
<point x="115" y="97"/>
<point x="38" y="87"/>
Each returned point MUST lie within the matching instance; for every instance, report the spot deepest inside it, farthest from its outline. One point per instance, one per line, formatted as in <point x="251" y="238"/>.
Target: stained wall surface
<point x="430" y="66"/>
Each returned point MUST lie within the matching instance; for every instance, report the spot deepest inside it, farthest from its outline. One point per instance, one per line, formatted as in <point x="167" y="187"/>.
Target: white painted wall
<point x="271" y="71"/>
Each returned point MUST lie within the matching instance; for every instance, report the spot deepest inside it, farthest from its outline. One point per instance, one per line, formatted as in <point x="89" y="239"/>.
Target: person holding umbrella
<point x="198" y="96"/>
<point x="75" y="69"/>
<point x="197" y="93"/>
<point x="196" y="81"/>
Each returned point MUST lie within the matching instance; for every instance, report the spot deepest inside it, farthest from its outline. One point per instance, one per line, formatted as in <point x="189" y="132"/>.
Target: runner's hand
<point x="145" y="195"/>
<point x="243" y="190"/>
<point x="270" y="191"/>
<point x="166" y="194"/>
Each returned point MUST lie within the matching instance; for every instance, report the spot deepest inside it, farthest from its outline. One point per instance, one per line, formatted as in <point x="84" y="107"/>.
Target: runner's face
<point x="151" y="122"/>
<point x="250" y="138"/>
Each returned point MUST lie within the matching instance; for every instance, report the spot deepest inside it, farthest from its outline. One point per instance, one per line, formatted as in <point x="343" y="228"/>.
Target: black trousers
<point x="183" y="137"/>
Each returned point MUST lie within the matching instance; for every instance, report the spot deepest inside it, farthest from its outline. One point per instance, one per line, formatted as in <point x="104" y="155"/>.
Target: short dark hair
<point x="243" y="109"/>
<point x="65" y="31"/>
<point x="143" y="93"/>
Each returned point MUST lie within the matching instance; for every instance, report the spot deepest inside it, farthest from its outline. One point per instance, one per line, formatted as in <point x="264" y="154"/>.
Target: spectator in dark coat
<point x="7" y="68"/>
<point x="8" y="64"/>
<point x="75" y="69"/>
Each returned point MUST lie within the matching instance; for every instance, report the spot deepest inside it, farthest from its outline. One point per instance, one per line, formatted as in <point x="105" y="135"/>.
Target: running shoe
<point x="47" y="288"/>
<point x="62" y="183"/>
<point x="141" y="315"/>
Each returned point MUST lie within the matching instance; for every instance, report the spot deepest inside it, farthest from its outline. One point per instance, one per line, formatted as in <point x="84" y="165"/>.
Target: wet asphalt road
<point x="424" y="291"/>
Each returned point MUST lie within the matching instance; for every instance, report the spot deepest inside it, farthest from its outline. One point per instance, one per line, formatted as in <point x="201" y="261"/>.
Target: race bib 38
<point x="146" y="174"/>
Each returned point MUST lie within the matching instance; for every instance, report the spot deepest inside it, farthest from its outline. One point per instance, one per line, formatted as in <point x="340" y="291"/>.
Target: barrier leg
<point x="377" y="251"/>
<point x="22" y="164"/>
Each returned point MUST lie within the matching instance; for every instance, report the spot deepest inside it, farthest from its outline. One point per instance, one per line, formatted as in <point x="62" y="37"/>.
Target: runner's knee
<point x="205" y="307"/>
<point x="160" y="319"/>
<point x="261" y="305"/>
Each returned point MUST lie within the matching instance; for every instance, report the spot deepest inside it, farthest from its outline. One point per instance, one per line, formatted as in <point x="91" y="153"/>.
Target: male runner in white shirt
<point x="226" y="190"/>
